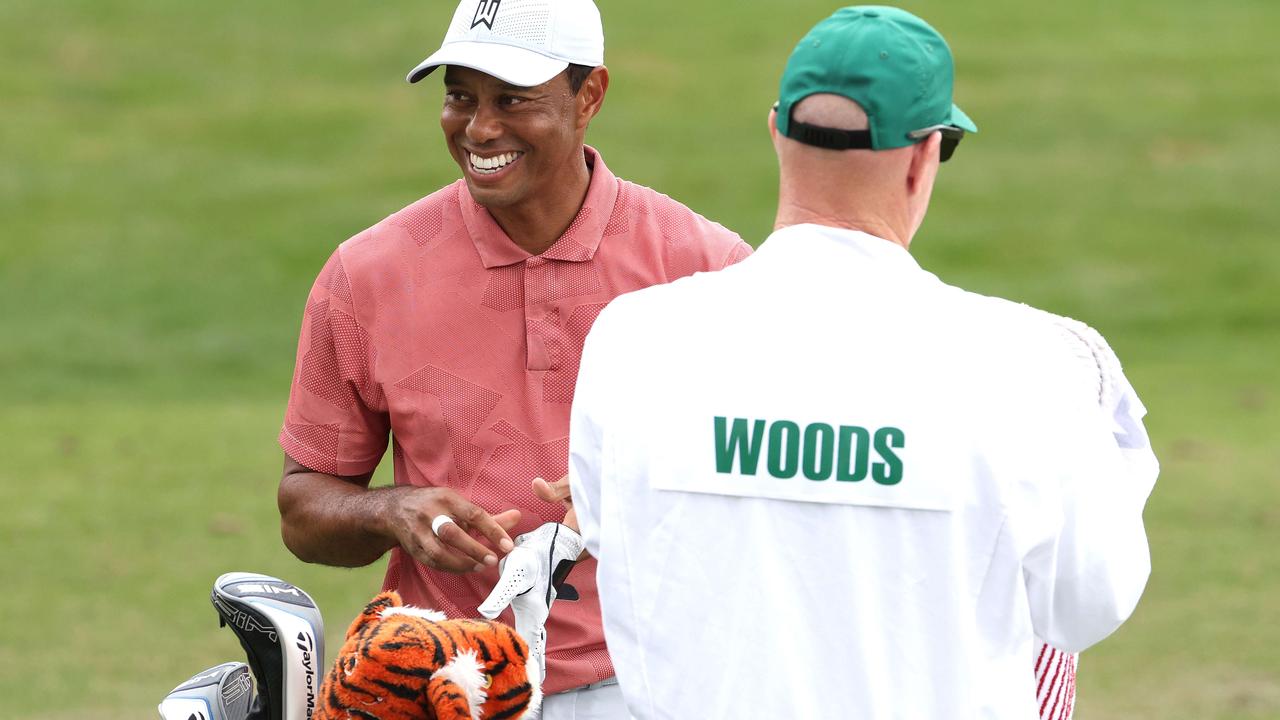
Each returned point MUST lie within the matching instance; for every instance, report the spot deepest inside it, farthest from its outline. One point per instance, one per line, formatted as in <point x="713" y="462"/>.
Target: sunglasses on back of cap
<point x="951" y="137"/>
<point x="835" y="139"/>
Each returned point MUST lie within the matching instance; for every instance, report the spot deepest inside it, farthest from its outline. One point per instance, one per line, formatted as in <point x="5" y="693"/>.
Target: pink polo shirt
<point x="434" y="327"/>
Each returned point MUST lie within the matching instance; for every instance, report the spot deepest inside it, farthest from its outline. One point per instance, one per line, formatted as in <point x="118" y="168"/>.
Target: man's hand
<point x="532" y="577"/>
<point x="558" y="491"/>
<point x="452" y="549"/>
<point x="337" y="520"/>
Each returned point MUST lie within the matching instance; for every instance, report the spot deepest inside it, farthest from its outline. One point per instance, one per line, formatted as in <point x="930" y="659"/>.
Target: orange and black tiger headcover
<point x="406" y="663"/>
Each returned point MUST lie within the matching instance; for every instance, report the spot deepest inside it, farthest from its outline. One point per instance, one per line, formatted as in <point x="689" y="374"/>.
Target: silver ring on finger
<point x="438" y="522"/>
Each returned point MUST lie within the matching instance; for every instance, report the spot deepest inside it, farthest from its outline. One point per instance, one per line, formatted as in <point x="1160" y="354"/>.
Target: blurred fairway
<point x="172" y="176"/>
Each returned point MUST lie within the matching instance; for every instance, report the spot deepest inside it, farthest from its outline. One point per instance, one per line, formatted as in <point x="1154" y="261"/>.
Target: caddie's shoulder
<point x="1075" y="342"/>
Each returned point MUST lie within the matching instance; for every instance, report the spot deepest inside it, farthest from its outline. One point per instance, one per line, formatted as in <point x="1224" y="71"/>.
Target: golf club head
<point x="282" y="633"/>
<point x="222" y="692"/>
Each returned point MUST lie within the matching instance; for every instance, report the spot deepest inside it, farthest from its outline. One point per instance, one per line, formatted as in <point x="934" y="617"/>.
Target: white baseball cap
<point x="522" y="42"/>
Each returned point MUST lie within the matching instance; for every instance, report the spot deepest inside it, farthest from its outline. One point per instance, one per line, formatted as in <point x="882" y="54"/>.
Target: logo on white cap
<point x="486" y="11"/>
<point x="527" y="44"/>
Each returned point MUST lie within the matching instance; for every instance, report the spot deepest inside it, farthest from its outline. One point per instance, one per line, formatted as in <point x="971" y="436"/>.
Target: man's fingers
<point x="557" y="491"/>
<point x="435" y="554"/>
<point x="454" y="537"/>
<point x="422" y="526"/>
<point x="476" y="519"/>
<point x="508" y="519"/>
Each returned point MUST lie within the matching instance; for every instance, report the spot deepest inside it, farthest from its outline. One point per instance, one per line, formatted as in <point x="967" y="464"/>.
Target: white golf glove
<point x="532" y="577"/>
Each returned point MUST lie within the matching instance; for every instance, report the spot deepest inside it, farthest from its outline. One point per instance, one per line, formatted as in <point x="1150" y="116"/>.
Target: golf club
<point x="282" y="633"/>
<point x="222" y="692"/>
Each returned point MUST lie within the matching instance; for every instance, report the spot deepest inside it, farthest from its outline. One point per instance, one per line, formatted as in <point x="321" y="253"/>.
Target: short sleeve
<point x="336" y="421"/>
<point x="739" y="252"/>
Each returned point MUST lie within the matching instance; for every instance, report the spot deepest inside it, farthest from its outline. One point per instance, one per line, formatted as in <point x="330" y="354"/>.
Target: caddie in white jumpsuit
<point x="823" y="483"/>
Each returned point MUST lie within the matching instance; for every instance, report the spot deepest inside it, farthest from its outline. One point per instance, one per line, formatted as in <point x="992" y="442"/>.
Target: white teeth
<point x="491" y="164"/>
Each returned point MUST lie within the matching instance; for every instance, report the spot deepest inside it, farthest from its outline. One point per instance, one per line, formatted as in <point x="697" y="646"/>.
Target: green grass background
<point x="173" y="174"/>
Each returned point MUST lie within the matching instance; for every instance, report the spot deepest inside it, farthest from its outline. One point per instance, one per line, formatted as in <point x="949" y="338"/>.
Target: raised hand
<point x="434" y="525"/>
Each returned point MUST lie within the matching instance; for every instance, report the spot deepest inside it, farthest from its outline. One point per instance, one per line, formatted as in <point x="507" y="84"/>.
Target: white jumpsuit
<point x="822" y="483"/>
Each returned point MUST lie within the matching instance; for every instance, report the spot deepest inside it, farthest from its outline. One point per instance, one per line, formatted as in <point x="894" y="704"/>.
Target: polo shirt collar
<point x="800" y="238"/>
<point x="577" y="244"/>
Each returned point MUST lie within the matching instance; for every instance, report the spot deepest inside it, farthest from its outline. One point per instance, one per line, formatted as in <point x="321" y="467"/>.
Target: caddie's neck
<point x="884" y="193"/>
<point x="835" y="205"/>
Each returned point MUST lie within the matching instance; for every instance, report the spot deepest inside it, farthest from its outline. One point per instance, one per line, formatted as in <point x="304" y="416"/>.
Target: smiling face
<point x="516" y="145"/>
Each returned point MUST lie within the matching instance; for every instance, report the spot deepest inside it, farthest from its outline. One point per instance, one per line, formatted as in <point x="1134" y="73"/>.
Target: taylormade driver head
<point x="222" y="692"/>
<point x="280" y="628"/>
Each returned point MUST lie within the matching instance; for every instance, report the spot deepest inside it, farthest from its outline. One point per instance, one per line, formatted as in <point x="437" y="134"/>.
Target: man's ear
<point x="925" y="156"/>
<point x="774" y="135"/>
<point x="921" y="174"/>
<point x="591" y="95"/>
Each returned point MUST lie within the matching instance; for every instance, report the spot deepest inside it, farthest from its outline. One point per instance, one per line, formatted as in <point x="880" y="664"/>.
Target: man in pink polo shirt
<point x="455" y="327"/>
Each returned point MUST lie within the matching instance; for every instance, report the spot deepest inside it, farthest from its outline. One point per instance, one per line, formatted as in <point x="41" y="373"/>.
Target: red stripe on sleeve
<point x="1040" y="684"/>
<point x="1043" y="648"/>
<point x="1052" y="683"/>
<point x="1071" y="696"/>
<point x="1057" y="700"/>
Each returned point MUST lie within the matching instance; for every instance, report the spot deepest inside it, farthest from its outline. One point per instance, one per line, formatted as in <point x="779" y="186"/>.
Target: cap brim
<point x="508" y="63"/>
<point x="960" y="120"/>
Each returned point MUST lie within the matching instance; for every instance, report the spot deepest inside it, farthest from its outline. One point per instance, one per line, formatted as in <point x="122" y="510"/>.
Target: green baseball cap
<point x="890" y="62"/>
